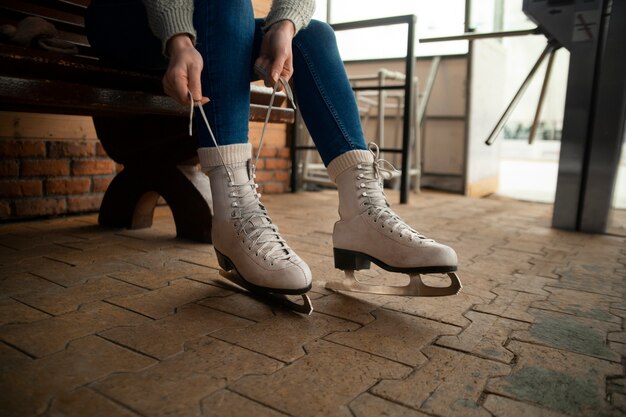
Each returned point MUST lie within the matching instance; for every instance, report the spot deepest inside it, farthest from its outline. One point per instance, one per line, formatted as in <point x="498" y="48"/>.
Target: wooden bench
<point x="136" y="123"/>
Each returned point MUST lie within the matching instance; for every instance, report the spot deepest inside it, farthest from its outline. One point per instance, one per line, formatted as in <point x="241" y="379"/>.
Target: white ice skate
<point x="369" y="231"/>
<point x="248" y="246"/>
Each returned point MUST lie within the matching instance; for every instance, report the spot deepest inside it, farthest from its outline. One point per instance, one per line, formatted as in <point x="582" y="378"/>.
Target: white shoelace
<point x="253" y="222"/>
<point x="371" y="183"/>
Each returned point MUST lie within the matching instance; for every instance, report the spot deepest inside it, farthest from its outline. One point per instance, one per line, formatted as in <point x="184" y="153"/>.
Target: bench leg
<point x="132" y="196"/>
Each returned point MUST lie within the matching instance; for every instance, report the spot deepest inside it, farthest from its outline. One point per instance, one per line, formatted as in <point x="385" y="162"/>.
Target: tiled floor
<point x="99" y="322"/>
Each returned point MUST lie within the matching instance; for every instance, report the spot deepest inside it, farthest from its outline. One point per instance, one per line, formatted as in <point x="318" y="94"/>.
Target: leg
<point x="324" y="94"/>
<point x="247" y="243"/>
<point x="225" y="32"/>
<point x="368" y="231"/>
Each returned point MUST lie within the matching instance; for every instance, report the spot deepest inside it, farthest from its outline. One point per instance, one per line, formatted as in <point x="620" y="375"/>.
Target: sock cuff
<point x="232" y="154"/>
<point x="348" y="160"/>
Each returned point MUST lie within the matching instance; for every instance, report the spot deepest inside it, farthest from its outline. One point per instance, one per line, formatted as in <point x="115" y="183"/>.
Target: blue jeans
<point x="229" y="40"/>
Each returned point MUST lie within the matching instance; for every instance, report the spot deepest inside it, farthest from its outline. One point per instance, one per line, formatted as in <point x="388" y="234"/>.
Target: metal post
<point x="408" y="111"/>
<point x="542" y="97"/>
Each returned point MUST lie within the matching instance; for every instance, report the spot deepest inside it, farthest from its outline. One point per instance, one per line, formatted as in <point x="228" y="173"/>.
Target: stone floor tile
<point x="85" y="402"/>
<point x="16" y="285"/>
<point x="164" y="301"/>
<point x="519" y="245"/>
<point x="538" y="267"/>
<point x="64" y="300"/>
<point x="44" y="337"/>
<point x="99" y="254"/>
<point x="395" y="336"/>
<point x="486" y="336"/>
<point x="450" y="383"/>
<point x="28" y="389"/>
<point x="11" y="357"/>
<point x="224" y="403"/>
<point x="506" y="407"/>
<point x="619" y="337"/>
<point x="166" y="337"/>
<point x="597" y="284"/>
<point x="444" y="309"/>
<point x="49" y="250"/>
<point x="325" y="380"/>
<point x="160" y="276"/>
<point x="575" y="334"/>
<point x="203" y="255"/>
<point x="579" y="303"/>
<point x="619" y="348"/>
<point x="284" y="336"/>
<point x="501" y="263"/>
<point x="175" y="387"/>
<point x="368" y="405"/>
<point x="561" y="381"/>
<point x="68" y="276"/>
<point x="12" y="311"/>
<point x="240" y="304"/>
<point x="531" y="284"/>
<point x="354" y="307"/>
<point x="510" y="304"/>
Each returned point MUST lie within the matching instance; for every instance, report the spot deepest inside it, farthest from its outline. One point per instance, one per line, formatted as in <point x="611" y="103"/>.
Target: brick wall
<point x="50" y="165"/>
<point x="54" y="165"/>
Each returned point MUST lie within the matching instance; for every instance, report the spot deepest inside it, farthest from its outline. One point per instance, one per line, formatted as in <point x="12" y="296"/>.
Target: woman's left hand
<point x="276" y="60"/>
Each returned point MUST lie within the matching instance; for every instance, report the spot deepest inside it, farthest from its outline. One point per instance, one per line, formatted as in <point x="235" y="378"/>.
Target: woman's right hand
<point x="183" y="72"/>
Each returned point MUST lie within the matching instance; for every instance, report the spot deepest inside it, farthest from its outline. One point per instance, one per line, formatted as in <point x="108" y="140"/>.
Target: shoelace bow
<point x="253" y="221"/>
<point x="375" y="199"/>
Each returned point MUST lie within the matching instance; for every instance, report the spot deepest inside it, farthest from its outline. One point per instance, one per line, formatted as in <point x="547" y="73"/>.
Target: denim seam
<point x="322" y="92"/>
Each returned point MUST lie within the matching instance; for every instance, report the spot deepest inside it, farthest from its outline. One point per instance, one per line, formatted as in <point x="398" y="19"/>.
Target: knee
<point x="317" y="33"/>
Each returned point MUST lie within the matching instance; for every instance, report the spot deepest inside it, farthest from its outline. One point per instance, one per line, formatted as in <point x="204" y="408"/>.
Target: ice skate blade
<point x="305" y="308"/>
<point x="415" y="288"/>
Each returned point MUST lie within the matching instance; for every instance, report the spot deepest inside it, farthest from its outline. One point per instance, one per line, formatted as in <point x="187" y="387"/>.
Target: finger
<point x="277" y="68"/>
<point x="195" y="84"/>
<point x="180" y="87"/>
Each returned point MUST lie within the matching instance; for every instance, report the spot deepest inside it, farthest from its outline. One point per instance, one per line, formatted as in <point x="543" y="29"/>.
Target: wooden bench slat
<point x="16" y="11"/>
<point x="69" y="98"/>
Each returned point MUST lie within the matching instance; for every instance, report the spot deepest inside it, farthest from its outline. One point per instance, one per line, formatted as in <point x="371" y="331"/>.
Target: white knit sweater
<point x="171" y="17"/>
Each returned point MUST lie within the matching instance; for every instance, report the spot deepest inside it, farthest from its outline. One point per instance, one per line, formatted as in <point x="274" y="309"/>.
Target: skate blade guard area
<point x="415" y="287"/>
<point x="272" y="298"/>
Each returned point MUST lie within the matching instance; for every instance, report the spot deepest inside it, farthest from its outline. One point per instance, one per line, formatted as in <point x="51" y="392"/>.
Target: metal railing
<point x="409" y="91"/>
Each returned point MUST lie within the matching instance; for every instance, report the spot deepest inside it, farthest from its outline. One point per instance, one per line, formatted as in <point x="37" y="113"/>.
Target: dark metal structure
<point x="595" y="107"/>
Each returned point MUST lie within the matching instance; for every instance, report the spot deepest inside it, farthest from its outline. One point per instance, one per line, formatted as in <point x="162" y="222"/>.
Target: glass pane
<point x="441" y="18"/>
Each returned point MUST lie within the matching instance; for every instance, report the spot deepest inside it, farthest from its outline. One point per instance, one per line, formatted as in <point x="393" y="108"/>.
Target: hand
<point x="183" y="72"/>
<point x="276" y="59"/>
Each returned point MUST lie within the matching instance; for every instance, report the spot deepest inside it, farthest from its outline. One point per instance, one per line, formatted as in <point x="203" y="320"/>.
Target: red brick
<point x="260" y="164"/>
<point x="39" y="206"/>
<point x="20" y="188"/>
<point x="263" y="176"/>
<point x="93" y="167"/>
<point x="15" y="148"/>
<point x="71" y="149"/>
<point x="100" y="150"/>
<point x="277" y="164"/>
<point x="84" y="203"/>
<point x="5" y="210"/>
<point x="100" y="184"/>
<point x="45" y="167"/>
<point x="266" y="152"/>
<point x="9" y="168"/>
<point x="284" y="153"/>
<point x="274" y="188"/>
<point x="68" y="186"/>
<point x="282" y="176"/>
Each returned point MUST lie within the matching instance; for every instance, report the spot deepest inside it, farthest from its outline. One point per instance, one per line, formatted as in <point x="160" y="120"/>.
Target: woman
<point x="213" y="48"/>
